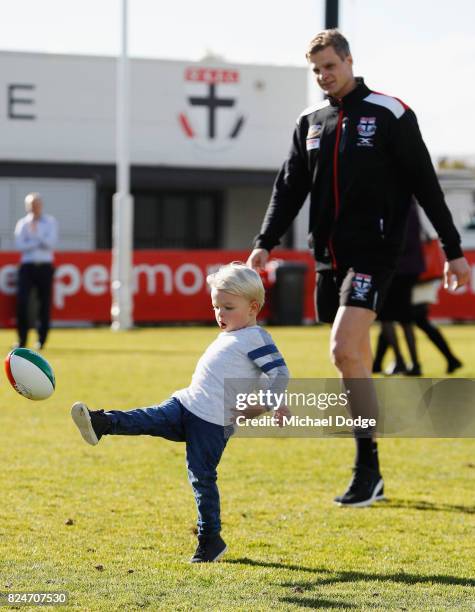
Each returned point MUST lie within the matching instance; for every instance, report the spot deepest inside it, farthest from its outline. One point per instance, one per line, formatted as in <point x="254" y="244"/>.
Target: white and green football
<point x="30" y="374"/>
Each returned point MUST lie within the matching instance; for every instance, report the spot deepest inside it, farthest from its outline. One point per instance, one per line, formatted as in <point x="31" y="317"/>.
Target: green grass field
<point x="131" y="513"/>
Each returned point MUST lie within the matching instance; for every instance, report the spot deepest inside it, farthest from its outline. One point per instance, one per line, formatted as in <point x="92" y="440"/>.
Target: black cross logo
<point x="213" y="103"/>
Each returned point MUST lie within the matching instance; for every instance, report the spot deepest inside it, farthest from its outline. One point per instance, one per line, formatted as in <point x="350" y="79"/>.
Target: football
<point x="29" y="374"/>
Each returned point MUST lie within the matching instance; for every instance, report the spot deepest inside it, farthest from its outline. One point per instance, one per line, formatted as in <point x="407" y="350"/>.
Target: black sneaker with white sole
<point x="210" y="548"/>
<point x="365" y="488"/>
<point x="92" y="424"/>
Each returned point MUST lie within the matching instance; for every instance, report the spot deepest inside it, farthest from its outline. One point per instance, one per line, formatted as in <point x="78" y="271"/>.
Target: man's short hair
<point x="30" y="198"/>
<point x="329" y="38"/>
<point x="238" y="279"/>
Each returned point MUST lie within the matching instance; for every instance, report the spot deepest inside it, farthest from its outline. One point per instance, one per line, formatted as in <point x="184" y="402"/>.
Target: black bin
<point x="287" y="294"/>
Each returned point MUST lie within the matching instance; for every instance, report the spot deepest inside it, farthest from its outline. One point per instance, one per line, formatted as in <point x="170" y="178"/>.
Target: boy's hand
<point x="249" y="412"/>
<point x="280" y="413"/>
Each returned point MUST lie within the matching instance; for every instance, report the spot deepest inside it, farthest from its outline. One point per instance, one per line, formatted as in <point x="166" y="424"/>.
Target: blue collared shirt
<point x="36" y="245"/>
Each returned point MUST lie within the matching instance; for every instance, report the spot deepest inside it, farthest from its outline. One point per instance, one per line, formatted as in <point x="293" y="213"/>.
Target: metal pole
<point x="331" y="14"/>
<point x="122" y="203"/>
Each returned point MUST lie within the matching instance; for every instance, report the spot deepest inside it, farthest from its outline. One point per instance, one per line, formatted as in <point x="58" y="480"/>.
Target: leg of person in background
<point x="44" y="284"/>
<point x="389" y="331"/>
<point x="381" y="348"/>
<point x="25" y="284"/>
<point x="421" y="319"/>
<point x="415" y="369"/>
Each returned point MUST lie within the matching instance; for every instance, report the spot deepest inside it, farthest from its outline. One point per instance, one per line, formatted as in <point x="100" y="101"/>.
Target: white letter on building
<point x="60" y="288"/>
<point x="180" y="283"/>
<point x="96" y="280"/>
<point x="150" y="272"/>
<point x="8" y="279"/>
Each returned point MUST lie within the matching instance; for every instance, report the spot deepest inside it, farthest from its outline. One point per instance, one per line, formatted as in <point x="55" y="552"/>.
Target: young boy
<point x="200" y="415"/>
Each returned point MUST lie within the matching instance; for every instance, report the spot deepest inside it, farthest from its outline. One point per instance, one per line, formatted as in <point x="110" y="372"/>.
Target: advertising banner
<point x="170" y="286"/>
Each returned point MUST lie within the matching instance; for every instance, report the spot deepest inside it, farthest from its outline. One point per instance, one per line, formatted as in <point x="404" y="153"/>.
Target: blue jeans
<point x="205" y="443"/>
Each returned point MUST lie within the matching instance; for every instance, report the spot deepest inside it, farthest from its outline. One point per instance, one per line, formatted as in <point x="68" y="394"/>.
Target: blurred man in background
<point x="36" y="235"/>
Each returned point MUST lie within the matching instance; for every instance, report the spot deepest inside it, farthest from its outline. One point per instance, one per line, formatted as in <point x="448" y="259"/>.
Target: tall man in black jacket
<point x="360" y="156"/>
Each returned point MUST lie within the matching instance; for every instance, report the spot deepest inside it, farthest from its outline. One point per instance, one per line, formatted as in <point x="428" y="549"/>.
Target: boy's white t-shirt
<point x="236" y="362"/>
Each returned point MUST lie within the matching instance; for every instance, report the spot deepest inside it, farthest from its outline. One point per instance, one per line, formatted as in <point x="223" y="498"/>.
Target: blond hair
<point x="238" y="279"/>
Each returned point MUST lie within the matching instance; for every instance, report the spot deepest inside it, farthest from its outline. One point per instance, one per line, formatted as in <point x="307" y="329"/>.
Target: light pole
<point x="331" y="14"/>
<point x="122" y="202"/>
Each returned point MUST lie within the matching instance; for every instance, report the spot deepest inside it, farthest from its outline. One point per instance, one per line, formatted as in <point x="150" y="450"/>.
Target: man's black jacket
<point x="361" y="159"/>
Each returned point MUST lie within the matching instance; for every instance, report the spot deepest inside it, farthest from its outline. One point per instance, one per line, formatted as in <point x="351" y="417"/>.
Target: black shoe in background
<point x="210" y="548"/>
<point x="452" y="365"/>
<point x="377" y="368"/>
<point x="395" y="369"/>
<point x="414" y="370"/>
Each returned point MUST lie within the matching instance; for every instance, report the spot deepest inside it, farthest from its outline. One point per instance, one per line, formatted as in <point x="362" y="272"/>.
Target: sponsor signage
<point x="170" y="286"/>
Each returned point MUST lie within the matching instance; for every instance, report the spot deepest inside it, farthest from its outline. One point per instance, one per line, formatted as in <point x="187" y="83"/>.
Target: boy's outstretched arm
<point x="251" y="412"/>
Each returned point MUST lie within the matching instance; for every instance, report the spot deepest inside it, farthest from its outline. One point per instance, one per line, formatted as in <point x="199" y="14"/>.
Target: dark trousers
<point x="40" y="277"/>
<point x="420" y="313"/>
<point x="205" y="443"/>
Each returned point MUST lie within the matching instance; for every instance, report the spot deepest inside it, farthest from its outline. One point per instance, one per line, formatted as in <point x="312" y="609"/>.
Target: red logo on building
<point x="212" y="94"/>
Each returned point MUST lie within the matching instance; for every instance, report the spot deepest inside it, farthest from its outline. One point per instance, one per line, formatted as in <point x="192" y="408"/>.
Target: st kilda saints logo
<point x="361" y="286"/>
<point x="366" y="130"/>
<point x="212" y="118"/>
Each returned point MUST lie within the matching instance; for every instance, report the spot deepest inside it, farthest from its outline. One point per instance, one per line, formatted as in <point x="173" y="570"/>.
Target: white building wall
<point x="71" y="102"/>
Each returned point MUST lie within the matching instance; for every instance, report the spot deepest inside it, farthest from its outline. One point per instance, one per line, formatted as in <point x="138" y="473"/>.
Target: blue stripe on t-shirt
<point x="262" y="351"/>
<point x="272" y="364"/>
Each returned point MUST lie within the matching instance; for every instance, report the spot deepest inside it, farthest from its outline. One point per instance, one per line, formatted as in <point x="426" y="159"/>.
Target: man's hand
<point x="258" y="259"/>
<point x="456" y="273"/>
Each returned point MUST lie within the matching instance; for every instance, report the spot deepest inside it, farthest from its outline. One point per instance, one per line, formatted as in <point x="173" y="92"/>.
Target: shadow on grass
<point x="424" y="505"/>
<point x="330" y="577"/>
<point x="317" y="604"/>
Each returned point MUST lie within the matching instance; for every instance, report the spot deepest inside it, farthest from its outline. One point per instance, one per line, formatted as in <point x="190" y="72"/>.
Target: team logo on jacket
<point x="361" y="286"/>
<point x="366" y="129"/>
<point x="314" y="130"/>
<point x="313" y="136"/>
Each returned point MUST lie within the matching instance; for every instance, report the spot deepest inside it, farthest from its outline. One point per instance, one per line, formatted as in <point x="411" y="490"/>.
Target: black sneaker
<point x="210" y="548"/>
<point x="453" y="364"/>
<point x="92" y="424"/>
<point x="396" y="368"/>
<point x="414" y="370"/>
<point x="365" y="487"/>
